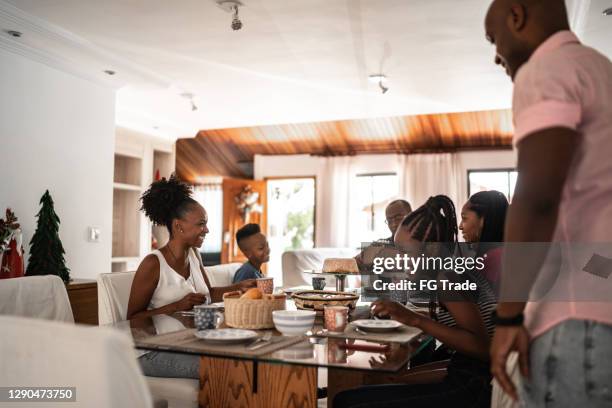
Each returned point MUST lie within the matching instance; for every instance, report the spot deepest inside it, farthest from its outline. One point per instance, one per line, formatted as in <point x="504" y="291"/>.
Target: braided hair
<point x="167" y="200"/>
<point x="435" y="221"/>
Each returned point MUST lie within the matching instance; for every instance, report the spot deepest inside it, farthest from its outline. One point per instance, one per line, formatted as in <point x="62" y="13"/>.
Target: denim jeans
<point x="170" y="365"/>
<point x="570" y="366"/>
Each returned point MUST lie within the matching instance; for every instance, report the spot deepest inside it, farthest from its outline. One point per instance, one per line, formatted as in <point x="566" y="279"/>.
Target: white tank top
<point x="172" y="287"/>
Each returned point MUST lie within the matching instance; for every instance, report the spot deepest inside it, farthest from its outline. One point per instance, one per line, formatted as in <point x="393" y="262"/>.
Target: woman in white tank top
<point x="172" y="278"/>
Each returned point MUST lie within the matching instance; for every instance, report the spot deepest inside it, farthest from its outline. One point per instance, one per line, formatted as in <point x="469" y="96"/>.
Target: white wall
<point x="57" y="133"/>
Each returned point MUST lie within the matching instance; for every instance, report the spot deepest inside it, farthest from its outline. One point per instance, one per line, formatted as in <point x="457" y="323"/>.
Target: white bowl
<point x="293" y="322"/>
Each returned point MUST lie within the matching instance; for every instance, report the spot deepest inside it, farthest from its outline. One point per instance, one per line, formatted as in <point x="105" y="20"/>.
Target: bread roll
<point x="252" y="293"/>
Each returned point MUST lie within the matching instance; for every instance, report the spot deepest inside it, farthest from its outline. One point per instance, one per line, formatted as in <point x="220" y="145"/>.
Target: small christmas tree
<point x="46" y="250"/>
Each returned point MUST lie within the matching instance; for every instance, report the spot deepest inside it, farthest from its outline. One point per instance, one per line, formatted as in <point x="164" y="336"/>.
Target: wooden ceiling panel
<point x="224" y="152"/>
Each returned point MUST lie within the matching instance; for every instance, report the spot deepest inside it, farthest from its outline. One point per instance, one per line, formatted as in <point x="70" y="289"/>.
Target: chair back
<point x="42" y="297"/>
<point x="113" y="296"/>
<point x="99" y="362"/>
<point x="221" y="275"/>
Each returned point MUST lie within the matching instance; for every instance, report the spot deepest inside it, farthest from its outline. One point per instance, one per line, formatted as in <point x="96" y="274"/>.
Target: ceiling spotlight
<point x="236" y="23"/>
<point x="383" y="88"/>
<point x="379" y="79"/>
<point x="607" y="12"/>
<point x="190" y="96"/>
<point x="231" y="6"/>
<point x="14" y="33"/>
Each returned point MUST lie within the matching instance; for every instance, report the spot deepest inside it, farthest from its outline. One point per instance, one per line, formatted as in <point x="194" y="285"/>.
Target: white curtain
<point x="333" y="187"/>
<point x="210" y="196"/>
<point x="424" y="175"/>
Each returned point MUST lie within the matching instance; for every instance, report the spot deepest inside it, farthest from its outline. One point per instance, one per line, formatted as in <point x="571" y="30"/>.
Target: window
<point x="210" y="196"/>
<point x="369" y="198"/>
<point x="503" y="181"/>
<point x="291" y="210"/>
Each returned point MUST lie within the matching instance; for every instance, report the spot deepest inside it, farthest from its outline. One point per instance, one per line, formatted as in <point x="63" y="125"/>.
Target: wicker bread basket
<point x="251" y="313"/>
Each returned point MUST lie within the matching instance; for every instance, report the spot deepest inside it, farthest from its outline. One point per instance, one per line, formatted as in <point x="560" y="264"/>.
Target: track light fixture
<point x="231" y="6"/>
<point x="379" y="79"/>
<point x="236" y="23"/>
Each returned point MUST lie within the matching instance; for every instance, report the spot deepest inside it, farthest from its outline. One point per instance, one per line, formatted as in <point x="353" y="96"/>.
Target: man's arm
<point x="545" y="158"/>
<point x="544" y="161"/>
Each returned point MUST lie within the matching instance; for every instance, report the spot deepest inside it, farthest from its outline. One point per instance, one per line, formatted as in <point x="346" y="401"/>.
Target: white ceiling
<point x="293" y="61"/>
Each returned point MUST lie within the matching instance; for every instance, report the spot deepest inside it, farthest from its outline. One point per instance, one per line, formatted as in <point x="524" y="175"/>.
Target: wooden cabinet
<point x="83" y="295"/>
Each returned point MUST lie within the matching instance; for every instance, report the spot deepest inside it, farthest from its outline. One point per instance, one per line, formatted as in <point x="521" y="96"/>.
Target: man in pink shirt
<point x="562" y="109"/>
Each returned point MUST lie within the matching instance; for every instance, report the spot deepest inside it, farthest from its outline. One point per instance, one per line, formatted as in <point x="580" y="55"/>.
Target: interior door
<point x="244" y="201"/>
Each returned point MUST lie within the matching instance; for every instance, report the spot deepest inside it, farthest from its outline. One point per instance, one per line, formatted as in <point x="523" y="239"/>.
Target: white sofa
<point x="295" y="262"/>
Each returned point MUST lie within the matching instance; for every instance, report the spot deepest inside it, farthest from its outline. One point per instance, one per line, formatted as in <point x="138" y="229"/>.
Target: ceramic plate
<point x="377" y="326"/>
<point x="226" y="336"/>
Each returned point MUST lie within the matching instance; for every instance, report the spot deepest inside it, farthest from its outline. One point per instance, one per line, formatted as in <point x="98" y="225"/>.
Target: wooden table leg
<point x="284" y="385"/>
<point x="226" y="382"/>
<point x="229" y="383"/>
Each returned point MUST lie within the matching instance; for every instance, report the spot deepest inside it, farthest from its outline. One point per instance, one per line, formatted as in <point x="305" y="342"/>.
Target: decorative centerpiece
<point x="46" y="249"/>
<point x="11" y="252"/>
<point x="340" y="267"/>
<point x="253" y="309"/>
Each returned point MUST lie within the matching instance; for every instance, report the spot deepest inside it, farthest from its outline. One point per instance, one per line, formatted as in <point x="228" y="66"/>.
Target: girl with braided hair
<point x="460" y="320"/>
<point x="172" y="278"/>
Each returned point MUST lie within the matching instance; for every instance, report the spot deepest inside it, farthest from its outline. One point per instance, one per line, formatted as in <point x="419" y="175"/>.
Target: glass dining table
<point x="283" y="373"/>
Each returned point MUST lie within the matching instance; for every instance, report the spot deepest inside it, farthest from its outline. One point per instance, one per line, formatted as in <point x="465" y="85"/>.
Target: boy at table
<point x="254" y="245"/>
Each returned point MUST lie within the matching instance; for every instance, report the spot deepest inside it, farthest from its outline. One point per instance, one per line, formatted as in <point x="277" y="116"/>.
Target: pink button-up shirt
<point x="566" y="84"/>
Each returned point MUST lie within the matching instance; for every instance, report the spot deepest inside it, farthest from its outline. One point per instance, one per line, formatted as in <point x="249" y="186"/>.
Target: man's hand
<point x="505" y="340"/>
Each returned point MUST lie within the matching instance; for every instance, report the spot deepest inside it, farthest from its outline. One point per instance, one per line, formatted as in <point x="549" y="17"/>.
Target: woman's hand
<point x="247" y="284"/>
<point x="189" y="301"/>
<point x="396" y="311"/>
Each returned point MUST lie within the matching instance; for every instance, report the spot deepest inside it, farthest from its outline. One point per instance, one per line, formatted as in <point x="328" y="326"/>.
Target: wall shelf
<point x="138" y="157"/>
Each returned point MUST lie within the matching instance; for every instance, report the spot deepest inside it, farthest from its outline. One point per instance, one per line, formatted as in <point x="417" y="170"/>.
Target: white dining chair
<point x="100" y="363"/>
<point x="113" y="297"/>
<point x="42" y="297"/>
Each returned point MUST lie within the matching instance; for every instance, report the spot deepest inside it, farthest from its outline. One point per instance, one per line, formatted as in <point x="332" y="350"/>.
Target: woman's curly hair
<point x="166" y="200"/>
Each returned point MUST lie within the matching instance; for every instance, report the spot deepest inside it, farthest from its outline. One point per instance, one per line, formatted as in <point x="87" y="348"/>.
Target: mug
<point x="265" y="285"/>
<point x="318" y="282"/>
<point x="336" y="318"/>
<point x="207" y="317"/>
